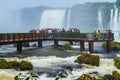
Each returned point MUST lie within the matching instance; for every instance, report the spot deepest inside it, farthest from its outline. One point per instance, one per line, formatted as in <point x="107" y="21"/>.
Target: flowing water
<point x="100" y="17"/>
<point x="53" y="18"/>
<point x="46" y="66"/>
<point x="48" y="62"/>
<point x="115" y="23"/>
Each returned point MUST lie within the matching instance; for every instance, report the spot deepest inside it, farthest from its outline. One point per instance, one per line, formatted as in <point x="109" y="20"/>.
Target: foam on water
<point x="106" y="66"/>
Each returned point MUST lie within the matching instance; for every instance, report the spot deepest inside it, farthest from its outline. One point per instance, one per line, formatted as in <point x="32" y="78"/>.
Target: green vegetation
<point x="23" y="65"/>
<point x="60" y="76"/>
<point x="116" y="75"/>
<point x="88" y="59"/>
<point x="14" y="64"/>
<point x="117" y="62"/>
<point x="4" y="64"/>
<point x="27" y="76"/>
<point x="67" y="46"/>
<point x="114" y="45"/>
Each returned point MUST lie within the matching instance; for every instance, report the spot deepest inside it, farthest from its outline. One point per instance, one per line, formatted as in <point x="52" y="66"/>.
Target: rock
<point x="94" y="73"/>
<point x="108" y="77"/>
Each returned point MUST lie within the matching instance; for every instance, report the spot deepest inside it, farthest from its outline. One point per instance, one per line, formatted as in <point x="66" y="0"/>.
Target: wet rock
<point x="94" y="73"/>
<point x="108" y="77"/>
<point x="51" y="72"/>
<point x="71" y="67"/>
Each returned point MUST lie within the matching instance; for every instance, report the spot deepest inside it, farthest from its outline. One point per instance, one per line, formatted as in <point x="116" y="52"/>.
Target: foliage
<point x="4" y="64"/>
<point x="117" y="62"/>
<point x="88" y="59"/>
<point x="27" y="76"/>
<point x="108" y="77"/>
<point x="116" y="75"/>
<point x="104" y="45"/>
<point x="13" y="64"/>
<point x="67" y="46"/>
<point x="86" y="77"/>
<point x="60" y="75"/>
<point x="25" y="65"/>
<point x="114" y="45"/>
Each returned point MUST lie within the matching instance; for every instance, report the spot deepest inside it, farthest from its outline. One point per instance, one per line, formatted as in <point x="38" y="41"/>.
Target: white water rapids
<point x="106" y="67"/>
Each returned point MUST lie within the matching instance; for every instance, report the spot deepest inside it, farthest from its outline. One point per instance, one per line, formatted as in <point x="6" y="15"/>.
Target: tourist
<point x="98" y="34"/>
<point x="38" y="31"/>
<point x="94" y="35"/>
<point x="63" y="30"/>
<point x="109" y="34"/>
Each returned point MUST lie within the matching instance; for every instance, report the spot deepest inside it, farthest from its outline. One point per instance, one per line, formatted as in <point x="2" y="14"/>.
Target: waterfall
<point x="10" y="21"/>
<point x="68" y="19"/>
<point x="111" y="19"/>
<point x="116" y="19"/>
<point x="114" y="23"/>
<point x="100" y="19"/>
<point x="53" y="18"/>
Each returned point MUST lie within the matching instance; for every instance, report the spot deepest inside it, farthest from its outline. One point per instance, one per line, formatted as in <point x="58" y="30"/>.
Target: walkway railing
<point x="31" y="36"/>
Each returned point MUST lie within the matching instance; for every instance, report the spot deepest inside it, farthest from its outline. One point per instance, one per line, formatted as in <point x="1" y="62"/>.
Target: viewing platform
<point x="19" y="38"/>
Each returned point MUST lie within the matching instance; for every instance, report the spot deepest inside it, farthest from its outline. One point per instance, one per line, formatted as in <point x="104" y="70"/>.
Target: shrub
<point x="4" y="64"/>
<point x="104" y="45"/>
<point x="114" y="45"/>
<point x="67" y="46"/>
<point x="14" y="64"/>
<point x="86" y="77"/>
<point x="88" y="59"/>
<point x="25" y="65"/>
<point x="27" y="76"/>
<point x="116" y="75"/>
<point x="117" y="62"/>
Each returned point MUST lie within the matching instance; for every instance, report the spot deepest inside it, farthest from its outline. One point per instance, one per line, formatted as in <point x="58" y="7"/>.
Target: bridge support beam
<point x="19" y="46"/>
<point x="71" y="42"/>
<point x="108" y="46"/>
<point x="40" y="44"/>
<point x="91" y="46"/>
<point x="82" y="46"/>
<point x="55" y="44"/>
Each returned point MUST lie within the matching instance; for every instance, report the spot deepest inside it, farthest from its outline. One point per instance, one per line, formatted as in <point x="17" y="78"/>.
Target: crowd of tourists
<point x="106" y="35"/>
<point x="54" y="30"/>
<point x="97" y="34"/>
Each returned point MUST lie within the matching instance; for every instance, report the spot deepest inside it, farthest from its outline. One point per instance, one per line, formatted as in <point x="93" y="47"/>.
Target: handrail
<point x="6" y="37"/>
